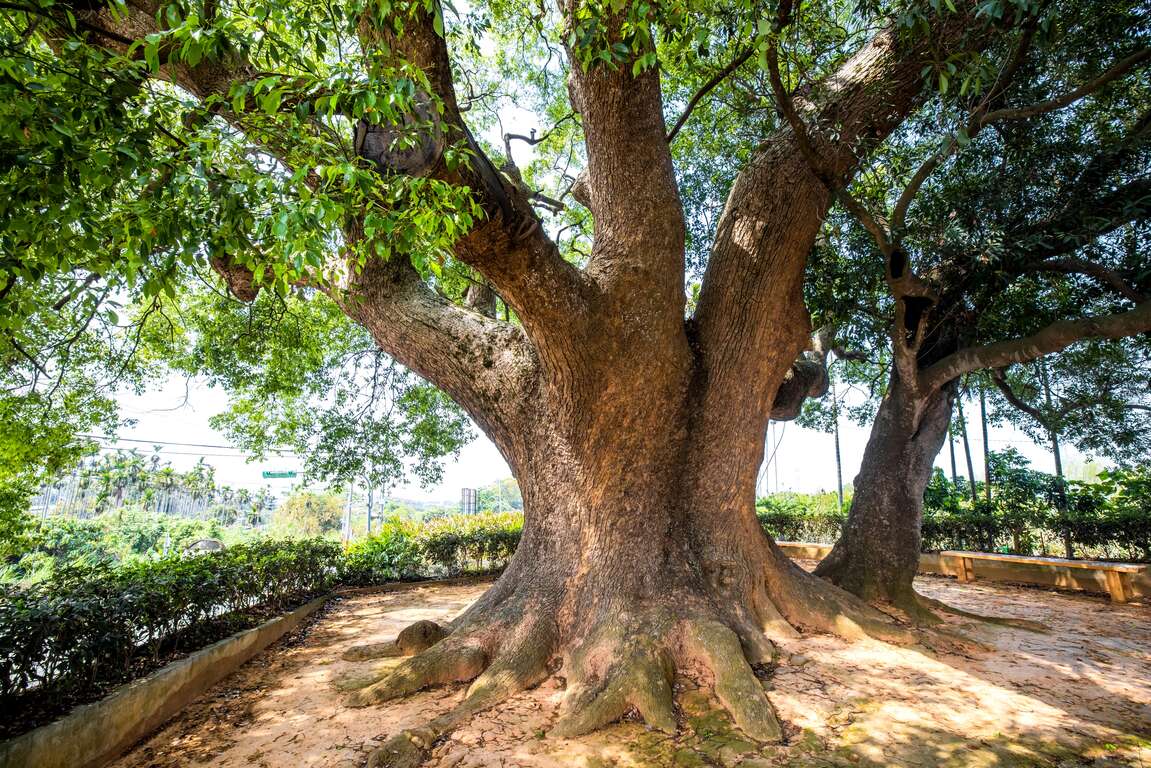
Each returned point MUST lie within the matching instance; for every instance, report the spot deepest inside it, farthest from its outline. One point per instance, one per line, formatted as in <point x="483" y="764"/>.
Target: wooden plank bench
<point x="1118" y="575"/>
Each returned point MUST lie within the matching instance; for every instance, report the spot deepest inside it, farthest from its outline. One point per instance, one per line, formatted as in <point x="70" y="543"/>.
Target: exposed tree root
<point x="811" y="602"/>
<point x="619" y="668"/>
<point x="443" y="663"/>
<point x="735" y="684"/>
<point x="519" y="663"/>
<point x="929" y="604"/>
<point x="413" y="639"/>
<point x="627" y="661"/>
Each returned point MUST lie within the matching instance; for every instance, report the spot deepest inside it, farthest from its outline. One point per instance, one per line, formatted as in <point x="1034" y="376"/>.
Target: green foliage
<point x="389" y="554"/>
<point x="302" y="375"/>
<point x="90" y="627"/>
<point x="458" y="543"/>
<point x="802" y="516"/>
<point x="1093" y="395"/>
<point x="500" y="496"/>
<point x="1033" y="511"/>
<point x="309" y="514"/>
<point x="1030" y="512"/>
<point x="130" y="534"/>
<point x="120" y="190"/>
<point x="443" y="545"/>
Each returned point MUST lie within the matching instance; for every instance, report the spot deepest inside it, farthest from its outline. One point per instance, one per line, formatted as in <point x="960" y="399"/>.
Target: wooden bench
<point x="1118" y="575"/>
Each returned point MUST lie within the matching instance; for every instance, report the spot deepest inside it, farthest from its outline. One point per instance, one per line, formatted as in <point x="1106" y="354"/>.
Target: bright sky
<point x="177" y="416"/>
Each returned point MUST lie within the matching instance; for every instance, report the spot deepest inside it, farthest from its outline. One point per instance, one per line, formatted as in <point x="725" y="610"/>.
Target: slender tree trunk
<point x="877" y="555"/>
<point x="1060" y="488"/>
<point x="951" y="448"/>
<point x="838" y="455"/>
<point x="967" y="449"/>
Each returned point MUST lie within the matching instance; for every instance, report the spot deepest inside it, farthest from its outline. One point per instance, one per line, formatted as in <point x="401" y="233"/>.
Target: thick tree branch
<point x="1106" y="277"/>
<point x="509" y="247"/>
<point x="808" y="376"/>
<point x="750" y="323"/>
<point x="455" y="348"/>
<point x="786" y="105"/>
<point x="631" y="187"/>
<point x="485" y="365"/>
<point x="132" y="22"/>
<point x="1054" y="338"/>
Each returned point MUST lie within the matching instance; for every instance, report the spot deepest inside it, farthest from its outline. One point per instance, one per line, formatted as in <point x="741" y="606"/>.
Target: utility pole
<point x="348" y="514"/>
<point x="986" y="448"/>
<point x="371" y="498"/>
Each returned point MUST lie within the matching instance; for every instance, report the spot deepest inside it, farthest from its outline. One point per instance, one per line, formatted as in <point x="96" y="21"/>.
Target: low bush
<point x="449" y="545"/>
<point x="87" y="628"/>
<point x="801" y="516"/>
<point x="469" y="543"/>
<point x="389" y="554"/>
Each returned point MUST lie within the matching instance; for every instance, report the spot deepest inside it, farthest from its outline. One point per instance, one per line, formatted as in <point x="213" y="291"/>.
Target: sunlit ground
<point x="1080" y="695"/>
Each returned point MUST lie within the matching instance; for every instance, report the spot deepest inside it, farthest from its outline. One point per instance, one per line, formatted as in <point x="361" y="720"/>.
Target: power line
<point x="109" y="448"/>
<point x="180" y="445"/>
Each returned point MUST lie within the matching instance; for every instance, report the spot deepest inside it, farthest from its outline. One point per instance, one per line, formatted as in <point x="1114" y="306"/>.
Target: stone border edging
<point x="93" y="734"/>
<point x="1053" y="575"/>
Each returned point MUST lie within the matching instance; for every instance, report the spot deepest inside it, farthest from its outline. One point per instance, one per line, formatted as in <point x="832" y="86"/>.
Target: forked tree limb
<point x="509" y="247"/>
<point x="1054" y="338"/>
<point x="1114" y="72"/>
<point x="1000" y="381"/>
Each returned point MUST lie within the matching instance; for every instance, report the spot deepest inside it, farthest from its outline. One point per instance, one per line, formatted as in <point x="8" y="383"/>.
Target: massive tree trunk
<point x="631" y="569"/>
<point x="635" y="432"/>
<point x="877" y="555"/>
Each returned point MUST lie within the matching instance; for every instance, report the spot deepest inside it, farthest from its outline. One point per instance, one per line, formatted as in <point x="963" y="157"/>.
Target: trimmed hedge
<point x="446" y="546"/>
<point x="90" y="628"/>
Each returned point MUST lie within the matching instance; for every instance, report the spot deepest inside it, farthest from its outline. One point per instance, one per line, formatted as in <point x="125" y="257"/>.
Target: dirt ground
<point x="1079" y="696"/>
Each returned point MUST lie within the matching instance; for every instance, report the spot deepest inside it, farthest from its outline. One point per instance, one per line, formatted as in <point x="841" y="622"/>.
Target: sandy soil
<point x="1079" y="696"/>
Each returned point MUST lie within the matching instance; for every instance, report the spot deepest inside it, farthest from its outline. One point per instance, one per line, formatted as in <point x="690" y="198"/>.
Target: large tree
<point x="990" y="275"/>
<point x="325" y="146"/>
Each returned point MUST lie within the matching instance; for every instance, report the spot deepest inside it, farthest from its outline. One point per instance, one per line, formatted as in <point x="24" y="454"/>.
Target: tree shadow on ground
<point x="1094" y="663"/>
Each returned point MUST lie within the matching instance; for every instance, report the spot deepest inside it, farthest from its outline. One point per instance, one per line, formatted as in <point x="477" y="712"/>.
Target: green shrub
<point x="813" y="518"/>
<point x="390" y="554"/>
<point x="461" y="543"/>
<point x="89" y="627"/>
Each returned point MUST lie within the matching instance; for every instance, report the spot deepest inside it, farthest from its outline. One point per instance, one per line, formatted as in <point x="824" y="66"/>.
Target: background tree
<point x="990" y="275"/>
<point x="307" y="513"/>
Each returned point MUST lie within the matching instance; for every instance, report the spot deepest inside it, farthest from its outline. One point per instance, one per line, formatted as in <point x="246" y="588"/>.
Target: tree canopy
<point x="292" y="197"/>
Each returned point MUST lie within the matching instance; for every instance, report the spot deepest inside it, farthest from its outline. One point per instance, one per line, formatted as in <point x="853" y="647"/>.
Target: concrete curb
<point x="1015" y="573"/>
<point x="94" y="734"/>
